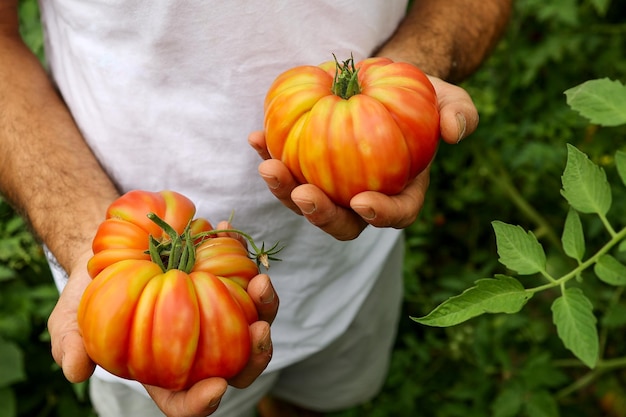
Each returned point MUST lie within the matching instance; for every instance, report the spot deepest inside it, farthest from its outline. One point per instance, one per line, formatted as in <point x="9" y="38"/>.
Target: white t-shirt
<point x="166" y="93"/>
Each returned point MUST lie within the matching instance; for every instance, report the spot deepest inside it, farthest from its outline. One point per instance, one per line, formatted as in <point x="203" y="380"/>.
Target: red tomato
<point x="166" y="326"/>
<point x="347" y="128"/>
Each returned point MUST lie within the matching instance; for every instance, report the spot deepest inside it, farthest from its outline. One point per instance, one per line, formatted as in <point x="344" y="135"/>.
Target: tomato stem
<point x="180" y="250"/>
<point x="346" y="82"/>
<point x="261" y="255"/>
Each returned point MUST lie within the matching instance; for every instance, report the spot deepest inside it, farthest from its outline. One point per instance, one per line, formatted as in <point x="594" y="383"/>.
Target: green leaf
<point x="584" y="184"/>
<point x="502" y="294"/>
<point x="573" y="238"/>
<point x="602" y="101"/>
<point x="620" y="162"/>
<point x="610" y="270"/>
<point x="572" y="313"/>
<point x="541" y="404"/>
<point x="11" y="363"/>
<point x="518" y="250"/>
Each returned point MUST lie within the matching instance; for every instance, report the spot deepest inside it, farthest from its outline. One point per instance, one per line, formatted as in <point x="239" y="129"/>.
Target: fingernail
<point x="366" y="212"/>
<point x="271" y="181"/>
<point x="306" y="207"/>
<point x="266" y="342"/>
<point x="215" y="402"/>
<point x="461" y="125"/>
<point x="268" y="294"/>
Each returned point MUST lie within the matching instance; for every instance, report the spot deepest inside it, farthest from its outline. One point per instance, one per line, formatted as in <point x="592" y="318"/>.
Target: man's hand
<point x="201" y="399"/>
<point x="458" y="118"/>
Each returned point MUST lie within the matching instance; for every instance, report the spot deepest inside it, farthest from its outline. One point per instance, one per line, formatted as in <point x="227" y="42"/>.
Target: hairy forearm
<point x="46" y="170"/>
<point x="448" y="38"/>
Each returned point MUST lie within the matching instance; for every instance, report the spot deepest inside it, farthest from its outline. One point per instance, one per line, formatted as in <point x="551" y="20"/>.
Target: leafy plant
<point x="587" y="191"/>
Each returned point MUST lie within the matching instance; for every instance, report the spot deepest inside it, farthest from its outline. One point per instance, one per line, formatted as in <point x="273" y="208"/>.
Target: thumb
<point x="68" y="349"/>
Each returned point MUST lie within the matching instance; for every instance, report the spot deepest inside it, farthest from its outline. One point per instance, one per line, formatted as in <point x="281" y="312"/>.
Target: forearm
<point x="46" y="170"/>
<point x="448" y="38"/>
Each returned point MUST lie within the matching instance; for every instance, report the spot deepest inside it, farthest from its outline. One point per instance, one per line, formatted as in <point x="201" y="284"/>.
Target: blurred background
<point x="509" y="170"/>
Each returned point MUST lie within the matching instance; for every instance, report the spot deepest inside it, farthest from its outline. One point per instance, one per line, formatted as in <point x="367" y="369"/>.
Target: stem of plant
<point x="346" y="82"/>
<point x="617" y="237"/>
<point x="180" y="249"/>
<point x="261" y="255"/>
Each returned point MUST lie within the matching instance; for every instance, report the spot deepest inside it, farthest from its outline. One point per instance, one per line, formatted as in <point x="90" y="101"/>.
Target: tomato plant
<point x="348" y="128"/>
<point x="167" y="305"/>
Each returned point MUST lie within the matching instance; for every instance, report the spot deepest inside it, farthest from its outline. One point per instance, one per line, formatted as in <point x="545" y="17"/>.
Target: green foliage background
<point x="509" y="170"/>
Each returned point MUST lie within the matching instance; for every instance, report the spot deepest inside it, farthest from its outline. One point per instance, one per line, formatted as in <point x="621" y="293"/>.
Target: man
<point x="161" y="95"/>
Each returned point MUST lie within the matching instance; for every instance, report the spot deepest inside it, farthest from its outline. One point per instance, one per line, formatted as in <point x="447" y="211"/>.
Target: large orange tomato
<point x="166" y="307"/>
<point x="349" y="128"/>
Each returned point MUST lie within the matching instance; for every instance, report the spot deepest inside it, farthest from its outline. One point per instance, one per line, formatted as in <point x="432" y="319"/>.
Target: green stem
<point x="346" y="82"/>
<point x="602" y="367"/>
<point x="617" y="237"/>
<point x="607" y="225"/>
<point x="179" y="250"/>
<point x="261" y="255"/>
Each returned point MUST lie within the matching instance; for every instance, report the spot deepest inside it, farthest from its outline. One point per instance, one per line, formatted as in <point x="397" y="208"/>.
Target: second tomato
<point x="349" y="128"/>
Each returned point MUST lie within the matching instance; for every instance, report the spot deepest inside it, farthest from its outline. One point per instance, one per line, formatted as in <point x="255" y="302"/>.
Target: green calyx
<point x="179" y="252"/>
<point x="346" y="83"/>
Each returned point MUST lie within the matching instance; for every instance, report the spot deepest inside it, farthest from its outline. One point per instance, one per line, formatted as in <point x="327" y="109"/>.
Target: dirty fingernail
<point x="268" y="295"/>
<point x="461" y="125"/>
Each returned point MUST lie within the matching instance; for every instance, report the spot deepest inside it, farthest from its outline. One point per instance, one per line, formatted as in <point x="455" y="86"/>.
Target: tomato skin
<point x="377" y="140"/>
<point x="172" y="328"/>
<point x="226" y="257"/>
<point x="126" y="230"/>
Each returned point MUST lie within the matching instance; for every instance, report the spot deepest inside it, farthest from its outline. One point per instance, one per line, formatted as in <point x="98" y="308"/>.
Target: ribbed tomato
<point x="349" y="128"/>
<point x="167" y="306"/>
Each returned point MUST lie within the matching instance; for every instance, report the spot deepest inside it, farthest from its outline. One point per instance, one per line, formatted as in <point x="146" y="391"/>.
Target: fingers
<point x="260" y="355"/>
<point x="262" y="292"/>
<point x="257" y="141"/>
<point x="201" y="400"/>
<point x="279" y="181"/>
<point x="398" y="211"/>
<point x="344" y="224"/>
<point x="67" y="345"/>
<point x="457" y="113"/>
<point x="314" y="204"/>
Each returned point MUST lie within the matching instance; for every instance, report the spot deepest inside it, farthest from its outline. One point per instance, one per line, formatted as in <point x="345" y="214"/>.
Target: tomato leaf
<point x="585" y="186"/>
<point x="573" y="238"/>
<point x="610" y="270"/>
<point x="519" y="250"/>
<point x="502" y="294"/>
<point x="572" y="313"/>
<point x="602" y="101"/>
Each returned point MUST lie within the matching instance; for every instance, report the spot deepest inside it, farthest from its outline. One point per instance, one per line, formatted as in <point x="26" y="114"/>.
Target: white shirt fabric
<point x="166" y="93"/>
